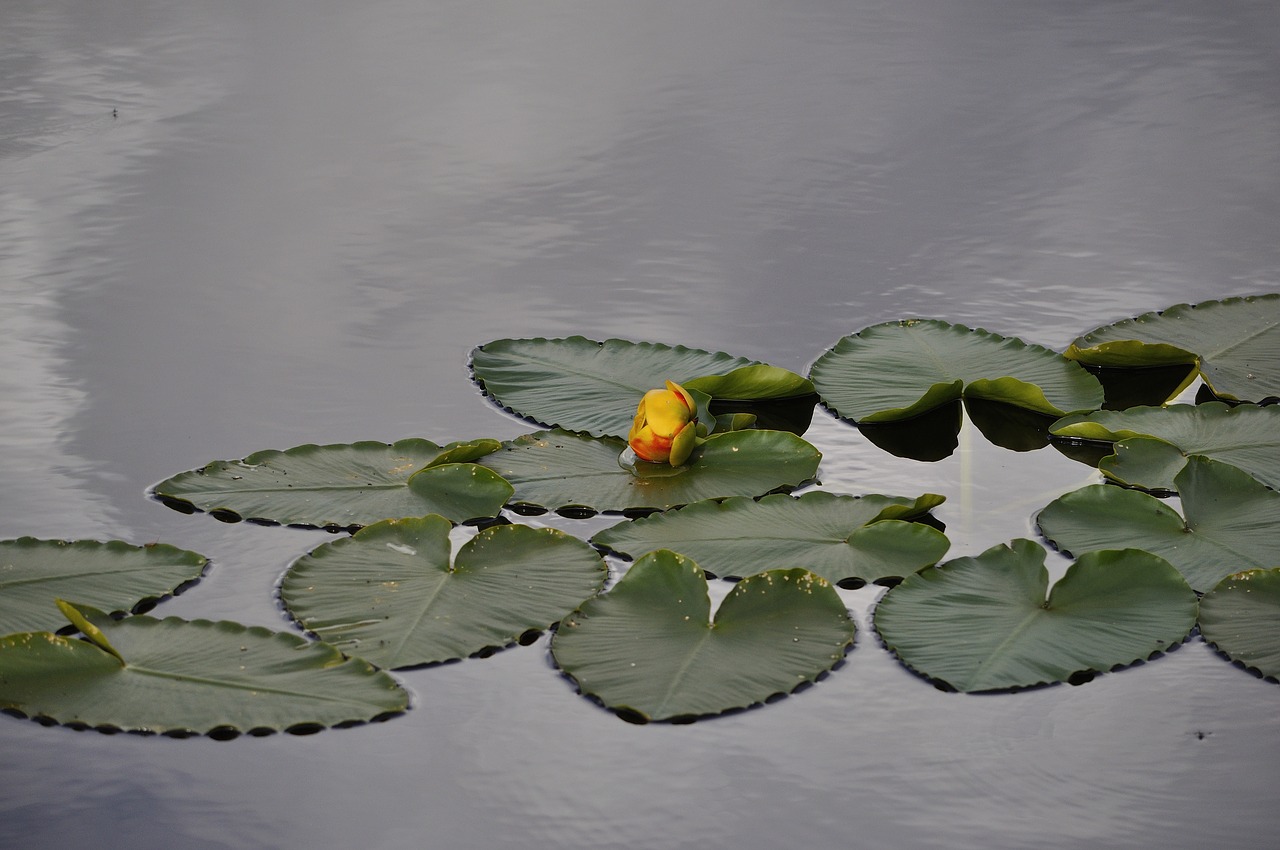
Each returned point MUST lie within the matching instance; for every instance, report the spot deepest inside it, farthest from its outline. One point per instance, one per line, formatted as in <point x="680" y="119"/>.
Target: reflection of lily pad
<point x="898" y="370"/>
<point x="984" y="623"/>
<point x="556" y="469"/>
<point x="648" y="649"/>
<point x="836" y="537"/>
<point x="1235" y="342"/>
<point x="114" y="576"/>
<point x="1241" y="617"/>
<point x="1232" y="522"/>
<point x="579" y="384"/>
<point x="390" y="595"/>
<point x="180" y="676"/>
<point x="345" y="485"/>
<point x="1244" y="436"/>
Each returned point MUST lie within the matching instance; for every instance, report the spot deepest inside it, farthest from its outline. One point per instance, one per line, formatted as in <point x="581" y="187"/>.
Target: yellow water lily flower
<point x="665" y="428"/>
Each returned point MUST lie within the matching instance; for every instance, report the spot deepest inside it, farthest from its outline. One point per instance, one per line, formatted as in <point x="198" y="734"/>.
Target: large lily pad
<point x="840" y="538"/>
<point x="579" y="384"/>
<point x="1244" y="436"/>
<point x="181" y="677"/>
<point x="1241" y="617"/>
<point x="114" y="576"/>
<point x="558" y="470"/>
<point x="984" y="623"/>
<point x="1235" y="343"/>
<point x="344" y="486"/>
<point x="649" y="650"/>
<point x="390" y="594"/>
<point x="898" y="370"/>
<point x="1232" y="522"/>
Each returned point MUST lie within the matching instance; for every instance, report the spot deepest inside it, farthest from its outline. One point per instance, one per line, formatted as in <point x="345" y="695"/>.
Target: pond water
<point x="237" y="226"/>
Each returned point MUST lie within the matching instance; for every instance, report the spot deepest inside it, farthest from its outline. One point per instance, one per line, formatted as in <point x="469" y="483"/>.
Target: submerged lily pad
<point x="182" y="677"/>
<point x="344" y="486"/>
<point x="985" y="623"/>
<point x="1235" y="343"/>
<point x="898" y="370"/>
<point x="1244" y="436"/>
<point x="390" y="595"/>
<point x="649" y="650"/>
<point x="1232" y="522"/>
<point x="114" y="576"/>
<point x="557" y="470"/>
<point x="578" y="384"/>
<point x="840" y="538"/>
<point x="1241" y="617"/>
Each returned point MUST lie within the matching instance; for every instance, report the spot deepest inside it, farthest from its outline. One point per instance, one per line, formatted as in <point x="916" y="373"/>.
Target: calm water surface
<point x="303" y="215"/>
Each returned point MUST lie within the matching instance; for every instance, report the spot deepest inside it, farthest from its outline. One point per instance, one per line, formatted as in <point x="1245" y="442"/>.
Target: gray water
<point x="303" y="215"/>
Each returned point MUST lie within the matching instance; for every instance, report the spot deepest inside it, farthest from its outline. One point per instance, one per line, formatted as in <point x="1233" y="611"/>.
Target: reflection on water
<point x="304" y="215"/>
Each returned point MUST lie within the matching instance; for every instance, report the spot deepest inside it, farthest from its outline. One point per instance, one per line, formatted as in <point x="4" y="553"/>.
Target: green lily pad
<point x="560" y="471"/>
<point x="1244" y="436"/>
<point x="390" y="595"/>
<point x="898" y="370"/>
<point x="114" y="576"/>
<point x="180" y="677"/>
<point x="344" y="486"/>
<point x="578" y="384"/>
<point x="1232" y="522"/>
<point x="648" y="649"/>
<point x="844" y="539"/>
<point x="1235" y="342"/>
<point x="1241" y="617"/>
<point x="984" y="623"/>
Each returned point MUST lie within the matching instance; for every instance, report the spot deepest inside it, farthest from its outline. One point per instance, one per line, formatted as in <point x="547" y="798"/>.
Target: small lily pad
<point x="984" y="623"/>
<point x="344" y="486"/>
<point x="557" y="470"/>
<point x="898" y="370"/>
<point x="115" y="576"/>
<point x="1232" y="522"/>
<point x="649" y="650"/>
<point x="390" y="594"/>
<point x="180" y="677"/>
<point x="1241" y="617"/>
<point x="840" y="538"/>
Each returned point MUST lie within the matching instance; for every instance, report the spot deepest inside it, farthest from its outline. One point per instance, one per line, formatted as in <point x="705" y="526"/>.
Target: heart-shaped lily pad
<point x="114" y="576"/>
<point x="1235" y="342"/>
<point x="648" y="649"/>
<point x="844" y="539"/>
<point x="984" y="623"/>
<point x="181" y="677"/>
<point x="898" y="370"/>
<point x="1241" y="617"/>
<point x="344" y="486"/>
<point x="1244" y="436"/>
<point x="558" y="470"/>
<point x="390" y="595"/>
<point x="1232" y="522"/>
<point x="579" y="384"/>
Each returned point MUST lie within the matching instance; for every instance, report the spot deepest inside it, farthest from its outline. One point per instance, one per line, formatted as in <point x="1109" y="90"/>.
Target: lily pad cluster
<point x="392" y="593"/>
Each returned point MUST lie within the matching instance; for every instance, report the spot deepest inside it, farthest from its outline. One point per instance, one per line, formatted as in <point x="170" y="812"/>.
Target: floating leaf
<point x="902" y="369"/>
<point x="1232" y="522"/>
<point x="183" y="677"/>
<point x="984" y="623"/>
<point x="648" y="650"/>
<point x="558" y="470"/>
<point x="343" y="486"/>
<point x="390" y="595"/>
<point x="840" y="538"/>
<point x="1241" y="617"/>
<point x="578" y="384"/>
<point x="114" y="576"/>
<point x="1244" y="436"/>
<point x="1235" y="342"/>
